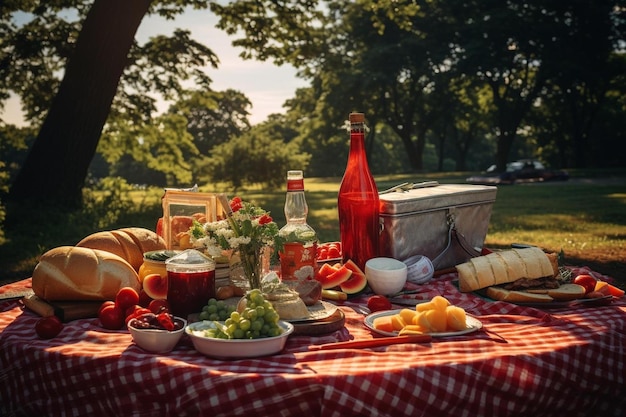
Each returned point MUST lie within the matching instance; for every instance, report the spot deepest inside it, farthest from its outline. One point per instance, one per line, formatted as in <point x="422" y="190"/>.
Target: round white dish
<point x="236" y="348"/>
<point x="156" y="340"/>
<point x="473" y="324"/>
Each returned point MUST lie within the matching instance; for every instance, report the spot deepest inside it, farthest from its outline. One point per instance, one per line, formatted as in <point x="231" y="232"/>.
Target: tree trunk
<point x="57" y="164"/>
<point x="503" y="149"/>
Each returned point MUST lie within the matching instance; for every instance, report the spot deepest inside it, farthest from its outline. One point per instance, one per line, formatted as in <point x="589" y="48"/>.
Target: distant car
<point x="524" y="170"/>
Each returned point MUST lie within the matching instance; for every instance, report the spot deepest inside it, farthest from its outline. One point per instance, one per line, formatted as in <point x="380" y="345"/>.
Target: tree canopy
<point x="443" y="84"/>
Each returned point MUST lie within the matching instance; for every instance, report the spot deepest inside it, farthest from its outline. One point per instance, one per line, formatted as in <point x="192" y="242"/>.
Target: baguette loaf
<point x="506" y="266"/>
<point x="129" y="243"/>
<point x="72" y="273"/>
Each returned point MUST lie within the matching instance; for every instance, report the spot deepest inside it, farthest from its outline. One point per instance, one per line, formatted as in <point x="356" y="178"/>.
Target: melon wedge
<point x="456" y="318"/>
<point x="357" y="281"/>
<point x="335" y="278"/>
<point x="383" y="323"/>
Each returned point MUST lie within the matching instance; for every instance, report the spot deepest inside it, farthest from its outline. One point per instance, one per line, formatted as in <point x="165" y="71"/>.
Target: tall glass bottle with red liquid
<point x="358" y="201"/>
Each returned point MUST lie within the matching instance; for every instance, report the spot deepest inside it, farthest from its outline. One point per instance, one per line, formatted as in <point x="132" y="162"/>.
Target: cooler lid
<point x="437" y="197"/>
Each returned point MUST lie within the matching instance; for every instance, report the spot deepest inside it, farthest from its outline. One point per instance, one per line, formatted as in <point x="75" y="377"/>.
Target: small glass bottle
<point x="358" y="201"/>
<point x="298" y="259"/>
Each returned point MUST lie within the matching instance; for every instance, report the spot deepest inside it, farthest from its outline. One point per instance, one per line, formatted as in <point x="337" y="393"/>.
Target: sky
<point x="266" y="85"/>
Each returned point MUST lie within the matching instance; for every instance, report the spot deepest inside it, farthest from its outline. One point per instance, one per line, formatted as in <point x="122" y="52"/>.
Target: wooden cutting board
<point x="322" y="326"/>
<point x="64" y="310"/>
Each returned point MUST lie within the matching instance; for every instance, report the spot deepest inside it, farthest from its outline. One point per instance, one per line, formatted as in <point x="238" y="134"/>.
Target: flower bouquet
<point x="247" y="230"/>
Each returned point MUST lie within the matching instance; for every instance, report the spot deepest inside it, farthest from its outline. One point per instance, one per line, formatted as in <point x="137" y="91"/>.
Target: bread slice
<point x="501" y="294"/>
<point x="514" y="268"/>
<point x="484" y="273"/>
<point x="468" y="279"/>
<point x="567" y="292"/>
<point x="532" y="262"/>
<point x="498" y="267"/>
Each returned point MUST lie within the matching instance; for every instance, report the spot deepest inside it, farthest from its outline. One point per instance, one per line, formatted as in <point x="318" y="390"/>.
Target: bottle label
<point x="298" y="262"/>
<point x="295" y="185"/>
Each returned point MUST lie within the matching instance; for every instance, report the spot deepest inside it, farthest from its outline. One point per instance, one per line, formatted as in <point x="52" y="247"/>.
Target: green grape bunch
<point x="256" y="320"/>
<point x="216" y="310"/>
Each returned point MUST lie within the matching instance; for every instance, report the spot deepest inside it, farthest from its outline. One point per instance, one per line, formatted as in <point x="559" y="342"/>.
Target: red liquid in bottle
<point x="358" y="201"/>
<point x="188" y="292"/>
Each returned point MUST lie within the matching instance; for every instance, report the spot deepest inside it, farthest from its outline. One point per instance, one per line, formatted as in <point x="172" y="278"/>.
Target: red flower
<point x="235" y="204"/>
<point x="265" y="219"/>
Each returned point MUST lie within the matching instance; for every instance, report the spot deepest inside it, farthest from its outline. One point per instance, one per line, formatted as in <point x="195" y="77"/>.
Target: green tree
<point x="495" y="44"/>
<point x="258" y="156"/>
<point x="93" y="64"/>
<point x="213" y="117"/>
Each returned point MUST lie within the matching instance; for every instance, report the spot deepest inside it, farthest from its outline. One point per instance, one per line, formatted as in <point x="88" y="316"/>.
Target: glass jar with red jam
<point x="191" y="282"/>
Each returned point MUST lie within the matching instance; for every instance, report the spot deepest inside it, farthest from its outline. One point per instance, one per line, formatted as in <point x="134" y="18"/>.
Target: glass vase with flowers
<point x="246" y="231"/>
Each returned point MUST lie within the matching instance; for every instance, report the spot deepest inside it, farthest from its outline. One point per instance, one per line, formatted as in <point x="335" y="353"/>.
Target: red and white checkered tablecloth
<point x="555" y="362"/>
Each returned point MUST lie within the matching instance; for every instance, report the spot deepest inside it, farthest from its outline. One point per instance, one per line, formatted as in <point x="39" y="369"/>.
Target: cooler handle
<point x="406" y="186"/>
<point x="453" y="232"/>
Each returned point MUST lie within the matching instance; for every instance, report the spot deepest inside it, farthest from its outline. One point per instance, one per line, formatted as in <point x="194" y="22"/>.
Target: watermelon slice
<point x="357" y="281"/>
<point x="335" y="278"/>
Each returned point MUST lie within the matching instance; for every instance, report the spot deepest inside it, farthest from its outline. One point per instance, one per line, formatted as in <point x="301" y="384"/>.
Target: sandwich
<point x="517" y="275"/>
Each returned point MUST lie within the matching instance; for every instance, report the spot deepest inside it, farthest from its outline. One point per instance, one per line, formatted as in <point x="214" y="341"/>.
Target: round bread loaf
<point x="76" y="273"/>
<point x="128" y="243"/>
<point x="288" y="305"/>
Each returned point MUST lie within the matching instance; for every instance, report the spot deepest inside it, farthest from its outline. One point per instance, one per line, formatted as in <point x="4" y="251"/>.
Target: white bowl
<point x="385" y="276"/>
<point x="236" y="348"/>
<point x="420" y="269"/>
<point x="155" y="340"/>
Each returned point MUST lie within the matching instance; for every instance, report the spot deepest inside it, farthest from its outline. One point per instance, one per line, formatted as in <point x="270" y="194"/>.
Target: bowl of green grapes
<point x="254" y="331"/>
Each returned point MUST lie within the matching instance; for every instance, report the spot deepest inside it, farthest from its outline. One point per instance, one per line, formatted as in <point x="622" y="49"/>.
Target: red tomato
<point x="131" y="310"/>
<point x="156" y="306"/>
<point x="322" y="254"/>
<point x="134" y="311"/>
<point x="48" y="327"/>
<point x="111" y="317"/>
<point x="333" y="252"/>
<point x="586" y="281"/>
<point x="378" y="303"/>
<point x="106" y="303"/>
<point x="126" y="297"/>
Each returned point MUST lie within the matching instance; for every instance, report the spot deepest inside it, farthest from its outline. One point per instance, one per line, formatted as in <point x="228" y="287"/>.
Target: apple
<point x="586" y="281"/>
<point x="155" y="286"/>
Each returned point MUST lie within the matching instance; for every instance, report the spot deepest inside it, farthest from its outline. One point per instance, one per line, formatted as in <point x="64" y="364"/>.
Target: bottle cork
<point x="357" y="118"/>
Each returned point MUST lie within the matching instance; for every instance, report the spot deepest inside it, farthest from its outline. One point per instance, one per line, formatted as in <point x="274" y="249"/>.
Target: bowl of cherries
<point x="157" y="333"/>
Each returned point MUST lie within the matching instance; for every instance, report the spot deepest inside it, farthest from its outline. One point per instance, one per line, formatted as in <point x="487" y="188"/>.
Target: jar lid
<point x="160" y="255"/>
<point x="190" y="259"/>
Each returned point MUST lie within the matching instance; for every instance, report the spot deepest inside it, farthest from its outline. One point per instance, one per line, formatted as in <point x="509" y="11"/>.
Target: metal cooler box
<point x="445" y="222"/>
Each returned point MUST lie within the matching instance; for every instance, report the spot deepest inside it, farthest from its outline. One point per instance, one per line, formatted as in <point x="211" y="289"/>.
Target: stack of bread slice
<point x="506" y="266"/>
<point x="494" y="270"/>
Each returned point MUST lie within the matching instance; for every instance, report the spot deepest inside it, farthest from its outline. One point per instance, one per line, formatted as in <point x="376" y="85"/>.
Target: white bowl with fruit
<point x="157" y="333"/>
<point x="255" y="330"/>
<point x="209" y="345"/>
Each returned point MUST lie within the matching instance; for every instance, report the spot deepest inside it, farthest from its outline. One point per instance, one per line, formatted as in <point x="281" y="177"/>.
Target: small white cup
<point x="419" y="269"/>
<point x="385" y="276"/>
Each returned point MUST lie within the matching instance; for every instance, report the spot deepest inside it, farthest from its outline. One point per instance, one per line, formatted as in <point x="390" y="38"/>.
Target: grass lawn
<point x="584" y="217"/>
